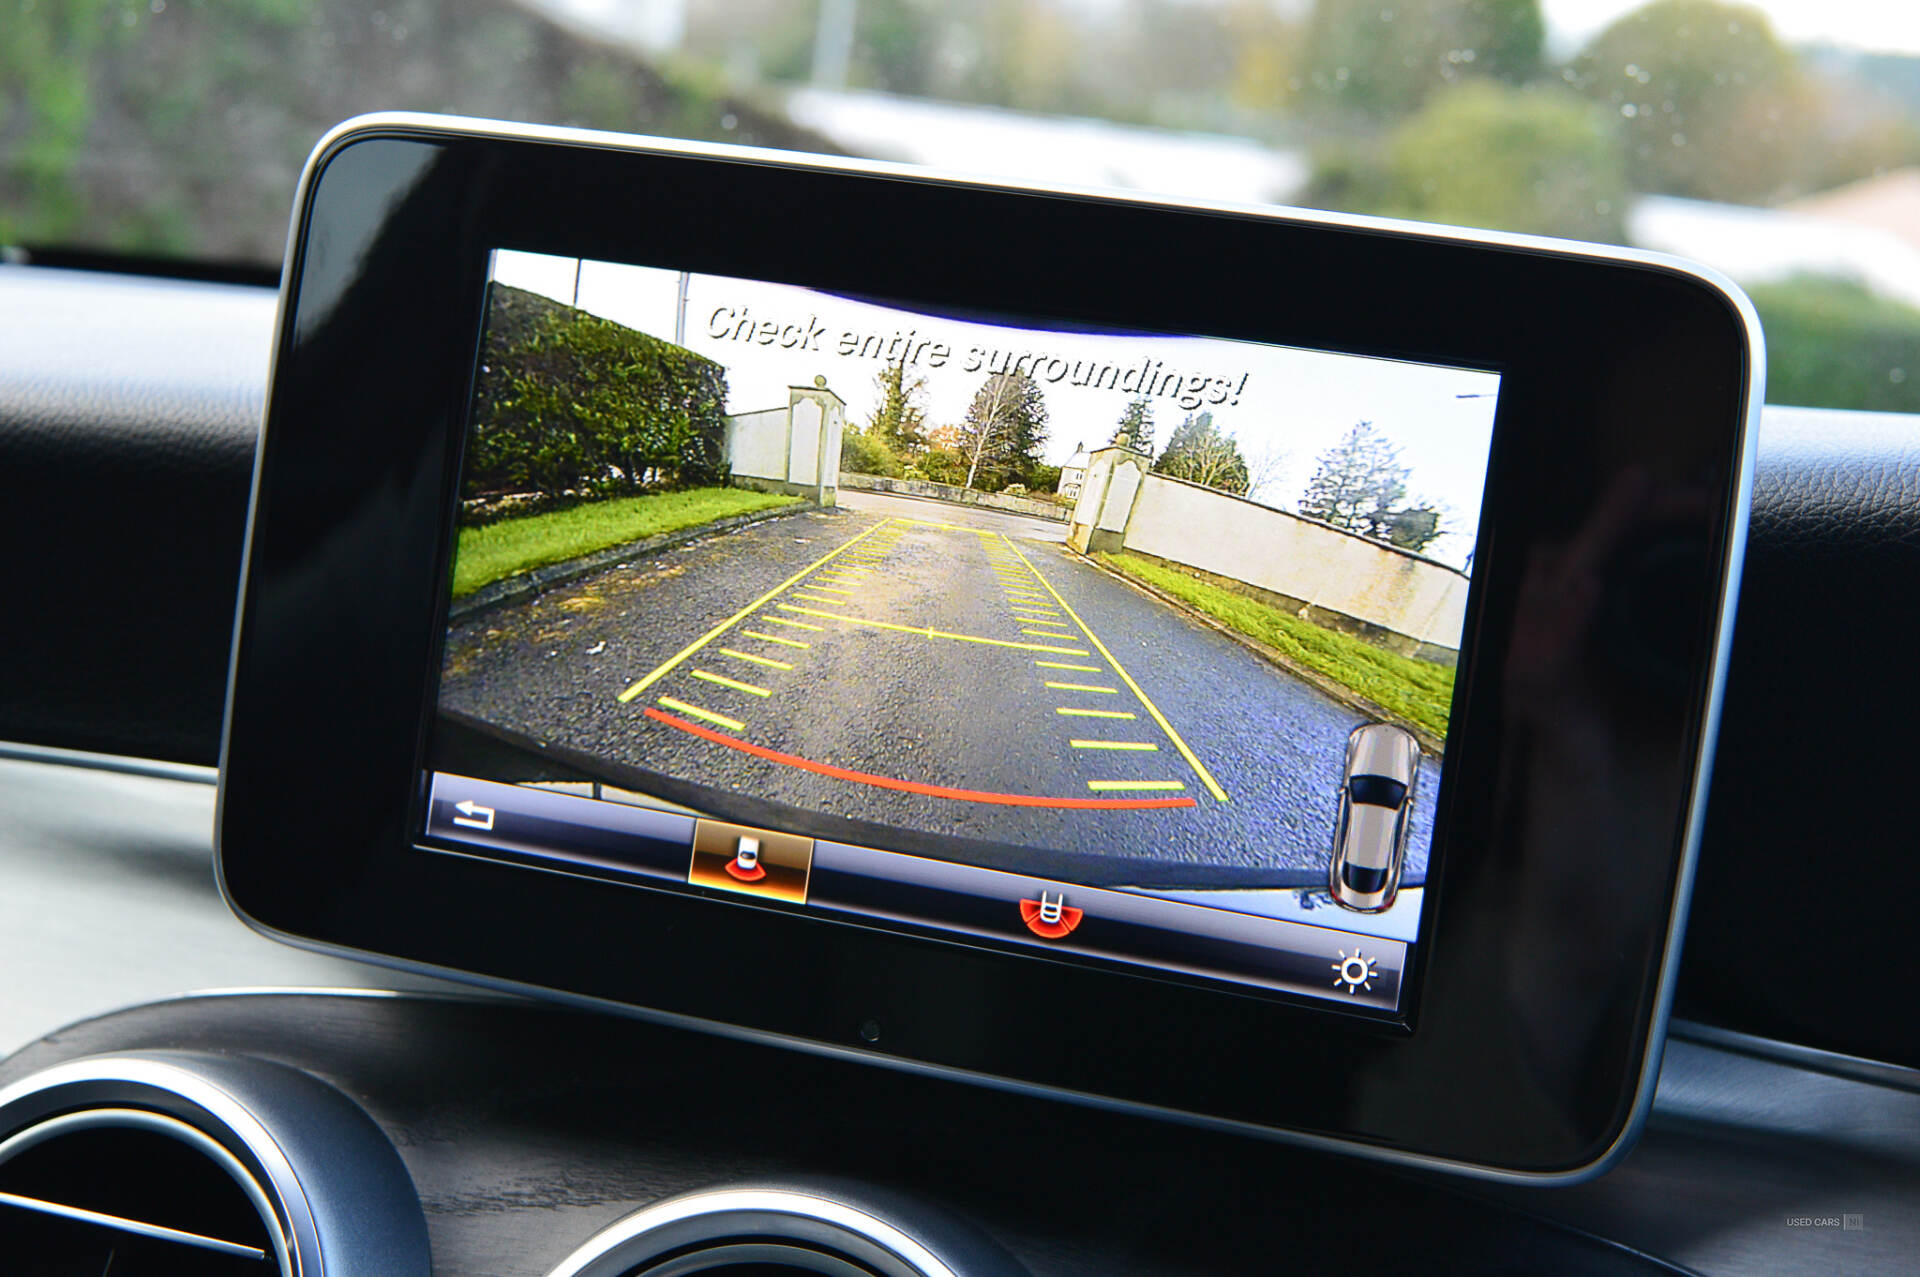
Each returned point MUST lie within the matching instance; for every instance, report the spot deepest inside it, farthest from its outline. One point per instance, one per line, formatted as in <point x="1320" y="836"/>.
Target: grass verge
<point x="1418" y="691"/>
<point x="497" y="550"/>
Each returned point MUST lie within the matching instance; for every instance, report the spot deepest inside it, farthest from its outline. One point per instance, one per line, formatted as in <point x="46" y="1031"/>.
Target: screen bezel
<point x="343" y="610"/>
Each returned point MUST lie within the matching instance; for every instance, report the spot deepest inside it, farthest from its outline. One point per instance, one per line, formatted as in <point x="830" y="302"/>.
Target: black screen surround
<point x="1587" y="686"/>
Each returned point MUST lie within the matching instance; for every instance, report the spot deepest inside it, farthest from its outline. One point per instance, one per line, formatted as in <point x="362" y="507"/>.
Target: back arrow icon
<point x="473" y="815"/>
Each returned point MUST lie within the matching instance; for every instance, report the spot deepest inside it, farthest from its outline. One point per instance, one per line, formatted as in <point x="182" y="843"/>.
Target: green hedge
<point x="1831" y="343"/>
<point x="568" y="402"/>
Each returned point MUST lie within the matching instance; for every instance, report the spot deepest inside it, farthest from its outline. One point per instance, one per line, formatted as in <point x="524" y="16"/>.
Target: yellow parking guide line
<point x="714" y="633"/>
<point x="1062" y="665"/>
<point x="720" y="719"/>
<point x="1050" y="633"/>
<point x="928" y="632"/>
<point x="828" y="589"/>
<point x="813" y="611"/>
<point x="1107" y="786"/>
<point x="1094" y="713"/>
<point x="1083" y="687"/>
<point x="1141" y="745"/>
<point x="734" y="683"/>
<point x="819" y="598"/>
<point x="1193" y="760"/>
<point x="950" y="527"/>
<point x="757" y="660"/>
<point x="775" y="638"/>
<point x="798" y="625"/>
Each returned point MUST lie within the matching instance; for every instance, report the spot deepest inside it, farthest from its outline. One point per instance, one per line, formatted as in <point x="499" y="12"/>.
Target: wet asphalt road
<point x="912" y="664"/>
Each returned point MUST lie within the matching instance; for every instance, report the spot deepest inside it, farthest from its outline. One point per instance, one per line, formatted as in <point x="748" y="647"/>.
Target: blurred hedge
<point x="570" y="403"/>
<point x="864" y="452"/>
<point x="1831" y="343"/>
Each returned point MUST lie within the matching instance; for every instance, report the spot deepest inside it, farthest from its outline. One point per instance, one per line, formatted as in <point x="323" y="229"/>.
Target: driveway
<point x="923" y="667"/>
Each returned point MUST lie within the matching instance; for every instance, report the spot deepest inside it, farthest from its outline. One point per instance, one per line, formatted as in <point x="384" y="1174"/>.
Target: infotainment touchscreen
<point x="1252" y="666"/>
<point x="1125" y="647"/>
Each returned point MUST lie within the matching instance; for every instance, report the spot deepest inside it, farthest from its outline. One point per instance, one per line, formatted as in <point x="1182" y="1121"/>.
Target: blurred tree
<point x="754" y="40"/>
<point x="1856" y="139"/>
<point x="182" y="127"/>
<point x="899" y="419"/>
<point x="1360" y="474"/>
<point x="1537" y="160"/>
<point x="1005" y="429"/>
<point x="1831" y="343"/>
<point x="1041" y="477"/>
<point x="1360" y="485"/>
<point x="1711" y="105"/>
<point x="1410" y="529"/>
<point x="1267" y="51"/>
<point x="866" y="452"/>
<point x="942" y="465"/>
<point x="1136" y="423"/>
<point x="1378" y="60"/>
<point x="1201" y="452"/>
<point x="896" y="45"/>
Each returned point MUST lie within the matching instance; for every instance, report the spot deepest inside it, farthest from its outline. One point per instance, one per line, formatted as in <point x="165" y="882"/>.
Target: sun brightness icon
<point x="1356" y="972"/>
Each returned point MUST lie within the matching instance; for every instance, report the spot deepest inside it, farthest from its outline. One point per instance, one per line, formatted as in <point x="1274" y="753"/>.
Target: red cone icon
<point x="1050" y="917"/>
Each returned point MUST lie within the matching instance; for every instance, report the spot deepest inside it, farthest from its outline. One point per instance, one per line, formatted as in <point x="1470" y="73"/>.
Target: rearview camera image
<point x="1162" y="614"/>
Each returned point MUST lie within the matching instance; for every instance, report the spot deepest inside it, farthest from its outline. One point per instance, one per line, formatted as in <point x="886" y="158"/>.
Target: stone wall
<point x="1403" y="601"/>
<point x="948" y="492"/>
<point x="795" y="449"/>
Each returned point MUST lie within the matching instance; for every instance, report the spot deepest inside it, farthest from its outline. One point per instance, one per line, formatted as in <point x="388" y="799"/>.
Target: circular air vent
<point x="778" y="1232"/>
<point x="85" y="1191"/>
<point x="220" y="1166"/>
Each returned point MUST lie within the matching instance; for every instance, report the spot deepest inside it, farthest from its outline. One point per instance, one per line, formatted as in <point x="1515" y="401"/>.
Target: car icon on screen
<point x="1376" y="812"/>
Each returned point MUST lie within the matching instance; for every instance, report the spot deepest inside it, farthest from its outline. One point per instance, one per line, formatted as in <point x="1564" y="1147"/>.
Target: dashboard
<point x="526" y="1128"/>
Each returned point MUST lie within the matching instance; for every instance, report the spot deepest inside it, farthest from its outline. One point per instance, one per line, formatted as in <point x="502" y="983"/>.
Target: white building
<point x="1074" y="473"/>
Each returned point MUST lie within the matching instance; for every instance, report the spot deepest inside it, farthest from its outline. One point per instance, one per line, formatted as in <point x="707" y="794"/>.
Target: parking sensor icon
<point x="1050" y="917"/>
<point x="745" y="865"/>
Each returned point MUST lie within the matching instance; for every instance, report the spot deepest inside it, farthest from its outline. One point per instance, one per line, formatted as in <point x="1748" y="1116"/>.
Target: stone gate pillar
<point x="816" y="419"/>
<point x="1107" y="496"/>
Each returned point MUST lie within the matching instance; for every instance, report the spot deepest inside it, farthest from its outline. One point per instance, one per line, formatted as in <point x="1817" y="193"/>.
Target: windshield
<point x="1778" y="142"/>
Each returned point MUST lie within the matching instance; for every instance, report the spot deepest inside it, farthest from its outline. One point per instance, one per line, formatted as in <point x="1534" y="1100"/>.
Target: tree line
<point x="1359" y="484"/>
<point x="999" y="443"/>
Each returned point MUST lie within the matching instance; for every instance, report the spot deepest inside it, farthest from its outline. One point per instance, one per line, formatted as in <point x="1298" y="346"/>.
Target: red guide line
<point x="915" y="787"/>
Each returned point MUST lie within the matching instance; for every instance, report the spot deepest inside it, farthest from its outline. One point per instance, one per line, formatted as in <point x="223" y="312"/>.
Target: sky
<point x="1889" y="25"/>
<point x="1280" y="402"/>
